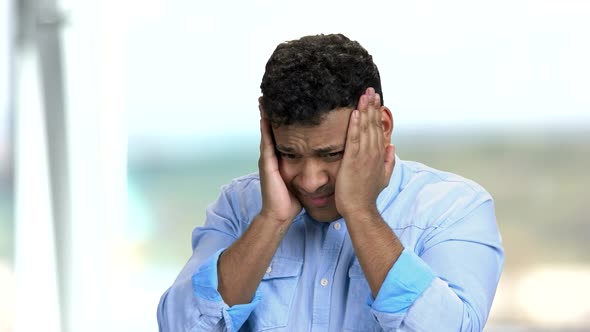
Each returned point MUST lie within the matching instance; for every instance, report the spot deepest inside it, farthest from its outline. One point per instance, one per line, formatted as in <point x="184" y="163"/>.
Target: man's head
<point x="307" y="78"/>
<point x="309" y="90"/>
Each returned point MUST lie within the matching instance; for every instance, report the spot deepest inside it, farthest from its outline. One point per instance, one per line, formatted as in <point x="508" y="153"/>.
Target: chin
<point x="324" y="216"/>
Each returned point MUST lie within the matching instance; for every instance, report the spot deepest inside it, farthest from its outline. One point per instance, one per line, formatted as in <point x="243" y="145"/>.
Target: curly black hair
<point x="309" y="77"/>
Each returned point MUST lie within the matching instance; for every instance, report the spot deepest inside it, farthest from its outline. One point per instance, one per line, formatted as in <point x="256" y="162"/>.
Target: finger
<point x="262" y="133"/>
<point x="363" y="112"/>
<point x="378" y="123"/>
<point x="353" y="135"/>
<point x="266" y="145"/>
<point x="367" y="134"/>
<point x="363" y="103"/>
<point x="378" y="115"/>
<point x="377" y="100"/>
<point x="378" y="112"/>
<point x="370" y="101"/>
<point x="375" y="142"/>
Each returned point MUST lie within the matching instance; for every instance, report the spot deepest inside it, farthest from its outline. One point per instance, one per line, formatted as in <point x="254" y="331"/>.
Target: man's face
<point x="309" y="159"/>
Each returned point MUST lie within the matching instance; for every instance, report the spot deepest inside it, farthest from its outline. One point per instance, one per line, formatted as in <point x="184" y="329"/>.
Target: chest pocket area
<point x="277" y="290"/>
<point x="358" y="315"/>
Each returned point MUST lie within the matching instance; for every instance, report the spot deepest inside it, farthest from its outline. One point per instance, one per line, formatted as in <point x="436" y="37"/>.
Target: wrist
<point x="269" y="221"/>
<point x="274" y="216"/>
<point x="362" y="215"/>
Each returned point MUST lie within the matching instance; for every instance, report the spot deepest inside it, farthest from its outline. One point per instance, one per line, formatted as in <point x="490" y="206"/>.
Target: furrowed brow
<point x="328" y="149"/>
<point x="284" y="148"/>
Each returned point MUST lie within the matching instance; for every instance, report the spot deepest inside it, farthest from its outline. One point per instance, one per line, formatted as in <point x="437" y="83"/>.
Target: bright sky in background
<point x="4" y="79"/>
<point x="4" y="44"/>
<point x="187" y="69"/>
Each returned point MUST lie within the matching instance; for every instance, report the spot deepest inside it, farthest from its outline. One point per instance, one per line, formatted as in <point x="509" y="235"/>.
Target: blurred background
<point x="120" y="121"/>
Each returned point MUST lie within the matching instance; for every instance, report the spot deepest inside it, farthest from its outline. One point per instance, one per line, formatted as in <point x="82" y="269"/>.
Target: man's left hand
<point x="368" y="160"/>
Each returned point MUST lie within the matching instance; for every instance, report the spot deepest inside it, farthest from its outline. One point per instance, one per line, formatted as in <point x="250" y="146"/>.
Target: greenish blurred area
<point x="539" y="183"/>
<point x="6" y="225"/>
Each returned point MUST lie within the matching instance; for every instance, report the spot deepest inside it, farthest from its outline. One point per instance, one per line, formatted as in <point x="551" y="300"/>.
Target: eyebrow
<point x="322" y="150"/>
<point x="284" y="148"/>
<point x="328" y="149"/>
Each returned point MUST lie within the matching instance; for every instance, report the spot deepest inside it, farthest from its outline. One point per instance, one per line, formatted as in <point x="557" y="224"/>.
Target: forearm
<point x="376" y="246"/>
<point x="242" y="266"/>
<point x="451" y="285"/>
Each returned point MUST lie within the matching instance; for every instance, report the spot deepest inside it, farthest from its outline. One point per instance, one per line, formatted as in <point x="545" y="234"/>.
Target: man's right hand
<point x="278" y="203"/>
<point x="242" y="265"/>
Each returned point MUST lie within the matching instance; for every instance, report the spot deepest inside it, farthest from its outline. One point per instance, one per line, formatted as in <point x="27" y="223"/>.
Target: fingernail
<point x="355" y="114"/>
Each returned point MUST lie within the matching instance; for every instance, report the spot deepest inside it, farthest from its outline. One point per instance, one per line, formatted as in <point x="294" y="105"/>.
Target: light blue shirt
<point x="444" y="280"/>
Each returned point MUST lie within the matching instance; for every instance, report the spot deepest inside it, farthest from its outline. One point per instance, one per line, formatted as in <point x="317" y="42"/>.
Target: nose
<point x="312" y="177"/>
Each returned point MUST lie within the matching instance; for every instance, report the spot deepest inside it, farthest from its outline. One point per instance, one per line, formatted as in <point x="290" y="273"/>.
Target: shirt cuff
<point x="212" y="304"/>
<point x="405" y="282"/>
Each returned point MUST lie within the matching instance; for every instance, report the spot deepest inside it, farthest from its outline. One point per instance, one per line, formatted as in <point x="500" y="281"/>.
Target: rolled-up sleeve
<point x="198" y="306"/>
<point x="193" y="302"/>
<point x="405" y="282"/>
<point x="211" y="306"/>
<point x="451" y="285"/>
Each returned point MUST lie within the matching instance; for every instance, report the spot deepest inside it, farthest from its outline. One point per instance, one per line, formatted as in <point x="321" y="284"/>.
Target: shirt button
<point x="324" y="282"/>
<point x="337" y="226"/>
<point x="268" y="269"/>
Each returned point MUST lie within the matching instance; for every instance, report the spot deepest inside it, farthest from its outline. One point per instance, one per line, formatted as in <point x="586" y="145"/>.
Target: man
<point x="335" y="232"/>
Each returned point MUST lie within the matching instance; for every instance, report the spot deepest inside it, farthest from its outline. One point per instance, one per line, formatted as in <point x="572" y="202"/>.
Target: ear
<point x="387" y="122"/>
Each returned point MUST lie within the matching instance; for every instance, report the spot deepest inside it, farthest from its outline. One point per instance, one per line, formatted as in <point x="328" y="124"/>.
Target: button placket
<point x="330" y="251"/>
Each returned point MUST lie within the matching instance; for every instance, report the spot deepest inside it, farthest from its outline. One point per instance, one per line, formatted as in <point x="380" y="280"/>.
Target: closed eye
<point x="287" y="155"/>
<point x="334" y="155"/>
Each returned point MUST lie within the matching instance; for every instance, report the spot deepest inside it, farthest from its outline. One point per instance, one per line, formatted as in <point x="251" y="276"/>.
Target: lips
<point x="319" y="201"/>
